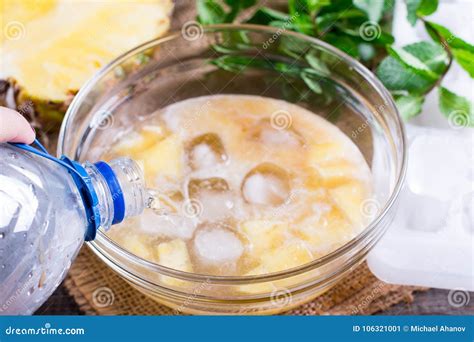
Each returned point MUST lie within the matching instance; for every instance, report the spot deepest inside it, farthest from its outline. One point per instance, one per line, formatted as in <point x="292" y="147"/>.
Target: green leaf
<point x="301" y="23"/>
<point x="427" y="7"/>
<point x="240" y="3"/>
<point x="400" y="79"/>
<point x="316" y="63"/>
<point x="312" y="80"/>
<point x="338" y="6"/>
<point x="449" y="38"/>
<point x="420" y="8"/>
<point x="344" y="43"/>
<point x="373" y="8"/>
<point x="462" y="51"/>
<point x="412" y="7"/>
<point x="432" y="54"/>
<point x="293" y="46"/>
<point x="465" y="59"/>
<point x="314" y="5"/>
<point x="456" y="108"/>
<point x="397" y="77"/>
<point x="236" y="6"/>
<point x="210" y="12"/>
<point x="412" y="62"/>
<point x="326" y="21"/>
<point x="409" y="106"/>
<point x="237" y="64"/>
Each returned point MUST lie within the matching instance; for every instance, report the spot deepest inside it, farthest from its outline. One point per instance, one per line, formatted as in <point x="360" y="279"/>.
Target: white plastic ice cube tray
<point x="431" y="240"/>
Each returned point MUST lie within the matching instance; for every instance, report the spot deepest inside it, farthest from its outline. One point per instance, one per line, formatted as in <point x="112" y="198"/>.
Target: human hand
<point x="14" y="127"/>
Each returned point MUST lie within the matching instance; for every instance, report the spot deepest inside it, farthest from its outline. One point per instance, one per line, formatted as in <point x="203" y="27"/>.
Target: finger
<point x="14" y="127"/>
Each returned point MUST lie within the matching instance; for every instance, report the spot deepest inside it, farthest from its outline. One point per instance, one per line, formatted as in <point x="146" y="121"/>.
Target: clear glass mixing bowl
<point x="252" y="60"/>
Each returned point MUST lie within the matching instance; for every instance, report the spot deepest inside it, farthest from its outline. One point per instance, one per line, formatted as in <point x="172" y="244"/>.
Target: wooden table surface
<point x="431" y="302"/>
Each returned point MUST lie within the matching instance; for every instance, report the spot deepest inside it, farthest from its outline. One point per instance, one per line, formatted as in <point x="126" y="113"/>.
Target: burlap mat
<point x="100" y="291"/>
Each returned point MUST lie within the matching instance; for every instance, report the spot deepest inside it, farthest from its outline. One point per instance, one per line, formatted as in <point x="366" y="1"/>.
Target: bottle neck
<point x="120" y="189"/>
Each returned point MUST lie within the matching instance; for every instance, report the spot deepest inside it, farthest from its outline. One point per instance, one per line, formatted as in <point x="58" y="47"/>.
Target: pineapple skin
<point x="46" y="113"/>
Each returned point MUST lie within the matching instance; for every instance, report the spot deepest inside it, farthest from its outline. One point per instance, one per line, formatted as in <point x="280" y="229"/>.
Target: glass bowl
<point x="252" y="60"/>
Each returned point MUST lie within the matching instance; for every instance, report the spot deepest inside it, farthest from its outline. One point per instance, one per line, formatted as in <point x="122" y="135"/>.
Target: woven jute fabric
<point x="100" y="291"/>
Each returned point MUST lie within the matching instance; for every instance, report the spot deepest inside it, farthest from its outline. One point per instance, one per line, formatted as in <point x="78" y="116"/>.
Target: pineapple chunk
<point x="165" y="159"/>
<point x="322" y="153"/>
<point x="336" y="172"/>
<point x="136" y="244"/>
<point x="349" y="198"/>
<point x="264" y="234"/>
<point x="327" y="234"/>
<point x="291" y="255"/>
<point x="52" y="47"/>
<point x="137" y="142"/>
<point x="294" y="254"/>
<point x="174" y="254"/>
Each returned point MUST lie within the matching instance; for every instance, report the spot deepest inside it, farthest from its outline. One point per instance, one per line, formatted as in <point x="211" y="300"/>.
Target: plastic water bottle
<point x="48" y="208"/>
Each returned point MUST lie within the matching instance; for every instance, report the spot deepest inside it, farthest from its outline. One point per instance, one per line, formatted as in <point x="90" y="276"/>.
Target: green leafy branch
<point x="361" y="28"/>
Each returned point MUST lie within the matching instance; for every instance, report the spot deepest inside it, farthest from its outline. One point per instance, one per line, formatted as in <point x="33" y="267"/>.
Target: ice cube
<point x="213" y="198"/>
<point x="269" y="133"/>
<point x="216" y="245"/>
<point x="206" y="151"/>
<point x="266" y="184"/>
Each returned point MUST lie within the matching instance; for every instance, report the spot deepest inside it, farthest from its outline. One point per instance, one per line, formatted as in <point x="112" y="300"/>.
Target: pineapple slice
<point x="174" y="254"/>
<point x="324" y="152"/>
<point x="291" y="255"/>
<point x="50" y="48"/>
<point x="137" y="142"/>
<point x="264" y="234"/>
<point x="164" y="159"/>
<point x="337" y="172"/>
<point x="349" y="198"/>
<point x="328" y="234"/>
<point x="136" y="244"/>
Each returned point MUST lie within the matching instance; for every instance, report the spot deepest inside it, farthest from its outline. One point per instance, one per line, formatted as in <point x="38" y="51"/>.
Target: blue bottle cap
<point x="115" y="190"/>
